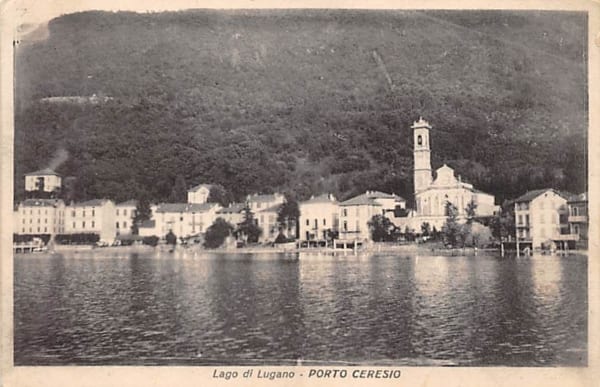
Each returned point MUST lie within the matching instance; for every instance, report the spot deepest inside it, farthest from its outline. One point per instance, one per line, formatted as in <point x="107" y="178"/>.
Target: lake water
<point x="116" y="307"/>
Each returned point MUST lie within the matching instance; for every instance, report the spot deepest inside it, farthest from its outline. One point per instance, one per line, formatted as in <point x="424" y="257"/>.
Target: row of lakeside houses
<point x="541" y="216"/>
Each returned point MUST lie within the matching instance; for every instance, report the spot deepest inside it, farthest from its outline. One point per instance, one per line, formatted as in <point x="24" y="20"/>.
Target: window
<point x="39" y="220"/>
<point x="23" y="221"/>
<point x="574" y="212"/>
<point x="345" y="226"/>
<point x="45" y="229"/>
<point x="527" y="219"/>
<point x="117" y="211"/>
<point x="117" y="225"/>
<point x="23" y="229"/>
<point x="83" y="224"/>
<point x="316" y="223"/>
<point x="30" y="220"/>
<point x="38" y="229"/>
<point x="520" y="219"/>
<point x="83" y="213"/>
<point x="308" y="222"/>
<point x="93" y="224"/>
<point x="93" y="212"/>
<point x="74" y="225"/>
<point x="125" y="212"/>
<point x="73" y="213"/>
<point x="30" y="230"/>
<point x="344" y="212"/>
<point x="419" y="140"/>
<point x="324" y="222"/>
<point x="124" y="224"/>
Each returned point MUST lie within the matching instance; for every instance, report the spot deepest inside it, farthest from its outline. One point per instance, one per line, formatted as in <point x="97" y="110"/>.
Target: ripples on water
<point x="188" y="308"/>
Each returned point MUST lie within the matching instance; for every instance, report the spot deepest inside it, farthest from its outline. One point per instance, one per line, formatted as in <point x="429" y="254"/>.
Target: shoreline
<point x="371" y="248"/>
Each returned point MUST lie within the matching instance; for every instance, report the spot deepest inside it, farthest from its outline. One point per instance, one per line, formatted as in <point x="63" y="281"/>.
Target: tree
<point x="502" y="225"/>
<point x="218" y="194"/>
<point x="425" y="229"/>
<point x="143" y="212"/>
<point x="451" y="230"/>
<point x="179" y="191"/>
<point x="332" y="234"/>
<point x="171" y="238"/>
<point x="217" y="233"/>
<point x="248" y="229"/>
<point x="471" y="211"/>
<point x="381" y="228"/>
<point x="288" y="215"/>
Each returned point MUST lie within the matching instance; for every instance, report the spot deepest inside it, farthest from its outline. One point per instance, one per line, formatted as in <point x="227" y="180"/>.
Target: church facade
<point x="432" y="193"/>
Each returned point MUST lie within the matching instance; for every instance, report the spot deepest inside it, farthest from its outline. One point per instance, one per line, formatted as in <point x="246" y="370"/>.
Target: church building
<point x="432" y="193"/>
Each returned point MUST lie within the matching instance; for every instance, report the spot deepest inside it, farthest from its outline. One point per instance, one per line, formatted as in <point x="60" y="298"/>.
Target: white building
<point x="431" y="195"/>
<point x="199" y="194"/>
<point x="357" y="212"/>
<point x="541" y="217"/>
<point x="318" y="215"/>
<point x="233" y="213"/>
<point x="40" y="216"/>
<point x="184" y="219"/>
<point x="95" y="216"/>
<point x="265" y="207"/>
<point x="124" y="214"/>
<point x="45" y="180"/>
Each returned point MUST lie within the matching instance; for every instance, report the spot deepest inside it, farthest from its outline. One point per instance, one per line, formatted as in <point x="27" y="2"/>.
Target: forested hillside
<point x="303" y="101"/>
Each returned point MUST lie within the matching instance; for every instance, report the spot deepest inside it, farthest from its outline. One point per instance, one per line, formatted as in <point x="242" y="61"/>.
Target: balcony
<point x="578" y="219"/>
<point x="566" y="237"/>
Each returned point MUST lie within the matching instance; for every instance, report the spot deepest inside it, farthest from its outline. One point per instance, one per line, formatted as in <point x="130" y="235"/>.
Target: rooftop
<point x="41" y="202"/>
<point x="324" y="198"/>
<point x="91" y="203"/>
<point x="43" y="172"/>
<point x="233" y="208"/>
<point x="264" y="198"/>
<point x="185" y="207"/>
<point x="360" y="200"/>
<point x="530" y="195"/>
<point x="197" y="187"/>
<point x="128" y="203"/>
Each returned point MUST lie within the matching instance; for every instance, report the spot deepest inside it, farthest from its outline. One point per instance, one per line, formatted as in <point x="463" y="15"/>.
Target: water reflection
<point x="191" y="308"/>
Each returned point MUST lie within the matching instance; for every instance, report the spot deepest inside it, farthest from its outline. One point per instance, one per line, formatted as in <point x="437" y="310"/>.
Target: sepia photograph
<point x="276" y="189"/>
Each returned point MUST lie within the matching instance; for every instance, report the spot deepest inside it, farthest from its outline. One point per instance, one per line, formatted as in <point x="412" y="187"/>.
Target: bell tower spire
<point x="422" y="155"/>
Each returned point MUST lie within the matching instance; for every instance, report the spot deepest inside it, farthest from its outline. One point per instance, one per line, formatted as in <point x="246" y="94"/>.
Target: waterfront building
<point x="40" y="216"/>
<point x="184" y="219"/>
<point x="45" y="181"/>
<point x="233" y="213"/>
<point x="355" y="213"/>
<point x="541" y="219"/>
<point x="258" y="202"/>
<point x="96" y="216"/>
<point x="578" y="218"/>
<point x="318" y="215"/>
<point x="265" y="207"/>
<point x="199" y="194"/>
<point x="431" y="195"/>
<point x="124" y="215"/>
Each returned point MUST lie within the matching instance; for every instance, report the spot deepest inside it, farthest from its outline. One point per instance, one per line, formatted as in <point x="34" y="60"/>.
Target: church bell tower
<point x="422" y="155"/>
